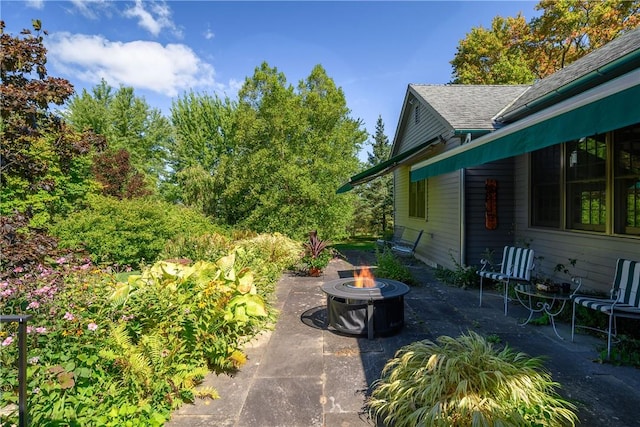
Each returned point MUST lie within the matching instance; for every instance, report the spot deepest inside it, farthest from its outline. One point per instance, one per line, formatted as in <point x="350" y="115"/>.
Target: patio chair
<point x="406" y="248"/>
<point x="624" y="300"/>
<point x="516" y="267"/>
<point x="398" y="231"/>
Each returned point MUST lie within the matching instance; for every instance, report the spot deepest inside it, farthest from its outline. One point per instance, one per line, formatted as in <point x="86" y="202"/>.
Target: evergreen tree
<point x="379" y="192"/>
<point x="128" y="123"/>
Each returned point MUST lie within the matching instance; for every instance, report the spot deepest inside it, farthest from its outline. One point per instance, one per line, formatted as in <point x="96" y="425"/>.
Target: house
<point x="554" y="166"/>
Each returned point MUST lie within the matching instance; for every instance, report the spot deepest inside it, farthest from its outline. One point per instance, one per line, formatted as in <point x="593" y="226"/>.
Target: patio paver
<point x="303" y="375"/>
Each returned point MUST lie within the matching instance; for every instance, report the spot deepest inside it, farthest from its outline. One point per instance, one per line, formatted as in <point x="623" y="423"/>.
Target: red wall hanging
<point x="491" y="204"/>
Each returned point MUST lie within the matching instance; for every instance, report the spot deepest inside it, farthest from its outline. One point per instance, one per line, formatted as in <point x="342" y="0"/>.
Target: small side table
<point x="536" y="301"/>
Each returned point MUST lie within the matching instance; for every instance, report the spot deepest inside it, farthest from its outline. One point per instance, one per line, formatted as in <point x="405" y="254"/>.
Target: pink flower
<point x="41" y="330"/>
<point x="92" y="326"/>
<point x="61" y="260"/>
<point x="18" y="270"/>
<point x="68" y="316"/>
<point x="33" y="304"/>
<point x="7" y="341"/>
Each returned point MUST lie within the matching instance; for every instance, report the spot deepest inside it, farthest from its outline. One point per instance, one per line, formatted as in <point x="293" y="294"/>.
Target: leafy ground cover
<point x="111" y="352"/>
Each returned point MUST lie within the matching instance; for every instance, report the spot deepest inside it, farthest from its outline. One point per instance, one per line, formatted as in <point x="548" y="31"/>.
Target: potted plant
<point x="316" y="254"/>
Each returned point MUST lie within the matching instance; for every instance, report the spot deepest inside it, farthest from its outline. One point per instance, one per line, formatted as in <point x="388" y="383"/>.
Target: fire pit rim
<point x="338" y="288"/>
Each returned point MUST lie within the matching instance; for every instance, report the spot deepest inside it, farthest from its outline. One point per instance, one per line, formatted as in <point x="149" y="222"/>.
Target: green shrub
<point x="463" y="382"/>
<point x="128" y="232"/>
<point x="391" y="267"/>
<point x="268" y="255"/>
<point x="463" y="276"/>
<point x="205" y="247"/>
<point x="104" y="353"/>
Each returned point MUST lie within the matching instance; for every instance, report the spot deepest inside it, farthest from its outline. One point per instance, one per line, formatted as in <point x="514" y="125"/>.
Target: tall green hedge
<point x="128" y="232"/>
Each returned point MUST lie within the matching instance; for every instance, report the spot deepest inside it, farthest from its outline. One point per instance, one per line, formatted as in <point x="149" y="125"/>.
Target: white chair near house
<point x="624" y="300"/>
<point x="516" y="267"/>
<point x="407" y="248"/>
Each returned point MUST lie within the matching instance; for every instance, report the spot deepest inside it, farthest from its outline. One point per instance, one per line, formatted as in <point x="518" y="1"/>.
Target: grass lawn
<point x="363" y="243"/>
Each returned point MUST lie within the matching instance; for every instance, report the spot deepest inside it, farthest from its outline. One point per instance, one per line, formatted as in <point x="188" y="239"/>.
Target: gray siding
<point x="413" y="134"/>
<point x="442" y="228"/>
<point x="596" y="253"/>
<point x="478" y="239"/>
<point x="444" y="225"/>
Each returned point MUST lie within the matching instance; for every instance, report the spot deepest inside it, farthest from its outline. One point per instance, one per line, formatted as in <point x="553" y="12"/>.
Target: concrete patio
<point x="301" y="374"/>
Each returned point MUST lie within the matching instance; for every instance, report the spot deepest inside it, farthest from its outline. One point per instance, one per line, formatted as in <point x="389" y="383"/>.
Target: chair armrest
<point x="578" y="281"/>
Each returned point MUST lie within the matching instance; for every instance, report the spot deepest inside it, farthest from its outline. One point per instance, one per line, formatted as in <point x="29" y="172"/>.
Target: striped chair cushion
<point x="627" y="282"/>
<point x="517" y="263"/>
<point x="626" y="285"/>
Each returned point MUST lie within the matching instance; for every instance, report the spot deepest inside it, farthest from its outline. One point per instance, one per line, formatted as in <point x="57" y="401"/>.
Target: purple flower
<point x="7" y="341"/>
<point x="92" y="326"/>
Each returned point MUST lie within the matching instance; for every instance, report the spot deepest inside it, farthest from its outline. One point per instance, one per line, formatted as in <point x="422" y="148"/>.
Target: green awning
<point x="610" y="106"/>
<point x="383" y="167"/>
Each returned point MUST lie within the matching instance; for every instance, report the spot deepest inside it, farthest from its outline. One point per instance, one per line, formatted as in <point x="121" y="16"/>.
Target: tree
<point x="113" y="170"/>
<point x="496" y="56"/>
<point x="378" y="194"/>
<point x="127" y="122"/>
<point x="514" y="51"/>
<point x="203" y="145"/>
<point x="569" y="29"/>
<point x="293" y="149"/>
<point x="46" y="166"/>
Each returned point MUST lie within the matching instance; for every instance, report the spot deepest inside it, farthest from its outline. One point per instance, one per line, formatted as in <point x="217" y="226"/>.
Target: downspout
<point x="463" y="218"/>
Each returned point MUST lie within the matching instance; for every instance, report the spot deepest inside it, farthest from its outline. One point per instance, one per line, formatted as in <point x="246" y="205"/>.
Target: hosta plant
<point x="464" y="381"/>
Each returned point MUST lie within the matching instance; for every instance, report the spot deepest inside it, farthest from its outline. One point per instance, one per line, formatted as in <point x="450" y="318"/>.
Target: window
<point x="586" y="187"/>
<point x="592" y="184"/>
<point x="626" y="180"/>
<point x="418" y="199"/>
<point x="545" y="187"/>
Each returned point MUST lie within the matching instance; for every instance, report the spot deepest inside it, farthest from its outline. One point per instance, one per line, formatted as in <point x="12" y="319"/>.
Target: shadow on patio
<point x="303" y="374"/>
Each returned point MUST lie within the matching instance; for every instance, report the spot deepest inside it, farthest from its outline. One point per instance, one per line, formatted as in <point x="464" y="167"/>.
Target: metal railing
<point x="21" y="320"/>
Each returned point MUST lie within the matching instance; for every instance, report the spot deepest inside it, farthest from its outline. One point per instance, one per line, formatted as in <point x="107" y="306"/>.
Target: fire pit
<point x="365" y="305"/>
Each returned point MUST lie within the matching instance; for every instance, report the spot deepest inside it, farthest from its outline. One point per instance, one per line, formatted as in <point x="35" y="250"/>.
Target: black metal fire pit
<point x="358" y="311"/>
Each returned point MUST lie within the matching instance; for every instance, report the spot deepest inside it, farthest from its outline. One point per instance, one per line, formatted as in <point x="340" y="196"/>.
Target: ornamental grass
<point x="465" y="381"/>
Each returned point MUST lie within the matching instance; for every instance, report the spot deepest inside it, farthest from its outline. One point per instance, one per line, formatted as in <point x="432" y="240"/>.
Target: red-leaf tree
<point x="45" y="166"/>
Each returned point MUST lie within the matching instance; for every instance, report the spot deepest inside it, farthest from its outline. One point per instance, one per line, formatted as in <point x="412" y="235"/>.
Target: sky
<point x="371" y="49"/>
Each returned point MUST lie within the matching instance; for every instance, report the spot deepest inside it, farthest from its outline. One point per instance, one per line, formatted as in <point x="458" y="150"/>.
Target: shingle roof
<point x="469" y="106"/>
<point x="593" y="61"/>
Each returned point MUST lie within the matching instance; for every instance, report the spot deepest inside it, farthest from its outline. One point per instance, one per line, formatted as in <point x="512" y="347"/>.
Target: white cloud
<point x="91" y="8"/>
<point x="154" y="19"/>
<point x="208" y="33"/>
<point x="167" y="70"/>
<point x="35" y="4"/>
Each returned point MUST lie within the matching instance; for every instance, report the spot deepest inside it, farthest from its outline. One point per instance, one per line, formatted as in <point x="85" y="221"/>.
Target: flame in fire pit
<point x="364" y="279"/>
